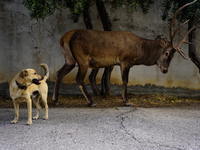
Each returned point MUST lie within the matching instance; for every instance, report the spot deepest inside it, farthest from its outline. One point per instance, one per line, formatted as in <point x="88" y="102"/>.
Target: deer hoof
<point x="93" y="105"/>
<point x="56" y="102"/>
<point x="128" y="104"/>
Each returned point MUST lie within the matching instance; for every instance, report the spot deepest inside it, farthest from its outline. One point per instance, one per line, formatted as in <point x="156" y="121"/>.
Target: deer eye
<point x="166" y="53"/>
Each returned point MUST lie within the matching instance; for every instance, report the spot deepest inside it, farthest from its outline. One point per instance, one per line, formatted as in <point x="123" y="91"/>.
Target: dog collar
<point x="22" y="87"/>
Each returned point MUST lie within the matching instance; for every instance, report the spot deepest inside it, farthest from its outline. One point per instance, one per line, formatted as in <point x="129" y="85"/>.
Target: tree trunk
<point x="88" y="25"/>
<point x="105" y="20"/>
<point x="105" y="82"/>
<point x="86" y="16"/>
<point x="192" y="49"/>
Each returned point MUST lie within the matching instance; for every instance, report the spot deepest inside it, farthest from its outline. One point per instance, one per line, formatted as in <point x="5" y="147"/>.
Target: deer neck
<point x="150" y="52"/>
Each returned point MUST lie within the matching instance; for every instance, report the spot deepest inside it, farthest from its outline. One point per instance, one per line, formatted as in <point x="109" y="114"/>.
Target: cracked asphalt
<point x="122" y="128"/>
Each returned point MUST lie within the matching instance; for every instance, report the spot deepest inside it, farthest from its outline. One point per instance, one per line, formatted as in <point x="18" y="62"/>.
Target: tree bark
<point x="88" y="25"/>
<point x="87" y="17"/>
<point x="105" y="20"/>
<point x="105" y="82"/>
<point x="192" y="48"/>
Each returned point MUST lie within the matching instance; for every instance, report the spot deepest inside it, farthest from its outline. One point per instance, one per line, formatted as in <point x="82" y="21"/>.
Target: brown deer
<point x="99" y="49"/>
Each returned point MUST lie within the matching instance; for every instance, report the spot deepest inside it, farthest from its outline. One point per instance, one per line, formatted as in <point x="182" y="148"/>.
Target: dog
<point x="27" y="86"/>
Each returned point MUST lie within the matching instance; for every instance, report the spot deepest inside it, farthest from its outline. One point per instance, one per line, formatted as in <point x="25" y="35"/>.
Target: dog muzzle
<point x="36" y="81"/>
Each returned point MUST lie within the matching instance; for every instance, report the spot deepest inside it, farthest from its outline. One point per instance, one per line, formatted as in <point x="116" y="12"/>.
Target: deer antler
<point x="172" y="34"/>
<point x="184" y="41"/>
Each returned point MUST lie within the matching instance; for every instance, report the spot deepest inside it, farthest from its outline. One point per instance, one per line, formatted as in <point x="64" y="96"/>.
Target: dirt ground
<point x="145" y="101"/>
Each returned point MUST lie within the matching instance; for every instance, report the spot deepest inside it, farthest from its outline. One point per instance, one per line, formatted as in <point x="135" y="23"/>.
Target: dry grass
<point x="146" y="101"/>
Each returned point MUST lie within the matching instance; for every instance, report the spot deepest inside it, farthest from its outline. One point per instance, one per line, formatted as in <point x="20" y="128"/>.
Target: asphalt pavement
<point x="121" y="128"/>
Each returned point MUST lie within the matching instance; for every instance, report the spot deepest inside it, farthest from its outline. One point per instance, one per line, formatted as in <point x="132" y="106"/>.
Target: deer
<point x="99" y="49"/>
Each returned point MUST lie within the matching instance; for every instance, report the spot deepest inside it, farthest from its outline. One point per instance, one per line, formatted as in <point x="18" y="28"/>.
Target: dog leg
<point x="44" y="100"/>
<point x="29" y="106"/>
<point x="37" y="104"/>
<point x="16" y="106"/>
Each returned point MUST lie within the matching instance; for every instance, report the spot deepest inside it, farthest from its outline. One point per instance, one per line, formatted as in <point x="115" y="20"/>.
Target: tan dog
<point x="28" y="85"/>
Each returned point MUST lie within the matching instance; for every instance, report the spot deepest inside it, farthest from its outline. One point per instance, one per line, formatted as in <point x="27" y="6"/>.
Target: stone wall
<point x="26" y="43"/>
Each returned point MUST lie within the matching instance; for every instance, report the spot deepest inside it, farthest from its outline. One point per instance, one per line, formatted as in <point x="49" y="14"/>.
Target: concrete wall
<point x="26" y="43"/>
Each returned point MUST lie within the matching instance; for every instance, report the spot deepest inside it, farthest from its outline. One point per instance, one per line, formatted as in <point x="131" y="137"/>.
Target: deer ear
<point x="23" y="74"/>
<point x="163" y="43"/>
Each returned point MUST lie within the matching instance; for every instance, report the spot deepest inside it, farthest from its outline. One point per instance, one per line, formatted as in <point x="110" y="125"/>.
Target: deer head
<point x="168" y="48"/>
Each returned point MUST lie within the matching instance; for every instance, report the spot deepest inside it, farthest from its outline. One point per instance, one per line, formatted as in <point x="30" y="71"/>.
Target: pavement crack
<point x="122" y="126"/>
<point x="125" y="116"/>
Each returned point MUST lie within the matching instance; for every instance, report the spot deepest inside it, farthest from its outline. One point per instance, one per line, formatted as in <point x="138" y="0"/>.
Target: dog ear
<point x="23" y="74"/>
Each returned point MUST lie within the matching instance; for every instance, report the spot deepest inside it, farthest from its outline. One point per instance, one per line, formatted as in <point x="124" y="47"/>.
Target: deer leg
<point x="80" y="80"/>
<point x="60" y="74"/>
<point x="92" y="78"/>
<point x="107" y="80"/>
<point x="125" y="72"/>
<point x="103" y="89"/>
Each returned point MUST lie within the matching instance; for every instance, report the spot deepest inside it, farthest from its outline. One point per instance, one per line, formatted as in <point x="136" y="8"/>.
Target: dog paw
<point x="45" y="117"/>
<point x="13" y="122"/>
<point x="29" y="123"/>
<point x="35" y="118"/>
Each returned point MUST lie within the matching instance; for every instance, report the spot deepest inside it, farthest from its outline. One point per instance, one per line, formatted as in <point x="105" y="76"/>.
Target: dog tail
<point x="46" y="69"/>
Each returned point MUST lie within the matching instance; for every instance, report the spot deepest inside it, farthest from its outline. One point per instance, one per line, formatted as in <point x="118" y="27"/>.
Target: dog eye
<point x="35" y="73"/>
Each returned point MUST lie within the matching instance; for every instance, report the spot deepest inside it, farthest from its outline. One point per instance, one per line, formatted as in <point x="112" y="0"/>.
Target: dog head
<point x="30" y="76"/>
